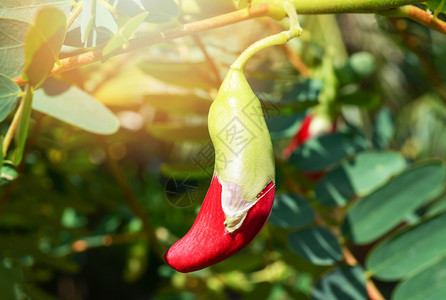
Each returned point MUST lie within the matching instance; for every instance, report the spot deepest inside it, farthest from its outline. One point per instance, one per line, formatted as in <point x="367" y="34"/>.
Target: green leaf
<point x="358" y="176"/>
<point x="438" y="6"/>
<point x="290" y="211"/>
<point x="380" y="211"/>
<point x="326" y="151"/>
<point x="24" y="10"/>
<point x="123" y="35"/>
<point x="9" y="94"/>
<point x="96" y="23"/>
<point x="436" y="207"/>
<point x="12" y="37"/>
<point x="87" y="18"/>
<point x="303" y="94"/>
<point x="7" y="173"/>
<point x="359" y="66"/>
<point x="189" y="75"/>
<point x="22" y="130"/>
<point x="407" y="253"/>
<point x="344" y="283"/>
<point x="129" y="7"/>
<point x="360" y="98"/>
<point x="284" y="126"/>
<point x="317" y="245"/>
<point x="160" y="11"/>
<point x="383" y="128"/>
<point x="179" y="132"/>
<point x="74" y="106"/>
<point x="426" y="285"/>
<point x="179" y="104"/>
<point x="42" y="44"/>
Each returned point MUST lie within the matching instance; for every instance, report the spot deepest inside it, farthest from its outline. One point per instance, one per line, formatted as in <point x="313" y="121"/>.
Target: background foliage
<point x="118" y="157"/>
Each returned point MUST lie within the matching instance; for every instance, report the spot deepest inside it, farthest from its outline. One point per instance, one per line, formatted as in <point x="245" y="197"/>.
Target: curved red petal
<point x="208" y="242"/>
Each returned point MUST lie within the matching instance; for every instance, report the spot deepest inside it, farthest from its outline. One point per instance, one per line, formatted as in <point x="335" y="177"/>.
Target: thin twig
<point x="107" y="240"/>
<point x="418" y="15"/>
<point x="428" y="67"/>
<point x="255" y="11"/>
<point x="133" y="202"/>
<point x="372" y="290"/>
<point x="13" y="126"/>
<point x="95" y="55"/>
<point x="208" y="58"/>
<point x="74" y="15"/>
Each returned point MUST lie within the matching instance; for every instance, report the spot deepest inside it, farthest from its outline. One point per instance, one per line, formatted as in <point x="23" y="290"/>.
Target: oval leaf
<point x="121" y="38"/>
<point x="437" y="6"/>
<point x="358" y="176"/>
<point x="25" y="9"/>
<point x="386" y="207"/>
<point x="9" y="94"/>
<point x="359" y="66"/>
<point x="346" y="283"/>
<point x="303" y="94"/>
<point x="284" y="126"/>
<point x="290" y="211"/>
<point x="74" y="106"/>
<point x="409" y="252"/>
<point x="317" y="245"/>
<point x="12" y="36"/>
<point x="436" y="207"/>
<point x="7" y="173"/>
<point x="360" y="98"/>
<point x="426" y="285"/>
<point x="42" y="44"/>
<point x="160" y="11"/>
<point x="326" y="151"/>
<point x="96" y="23"/>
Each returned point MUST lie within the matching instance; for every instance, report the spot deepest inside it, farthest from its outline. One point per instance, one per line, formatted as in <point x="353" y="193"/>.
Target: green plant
<point x="89" y="205"/>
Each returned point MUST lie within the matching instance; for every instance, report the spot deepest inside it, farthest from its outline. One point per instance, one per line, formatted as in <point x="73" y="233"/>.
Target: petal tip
<point x="208" y="242"/>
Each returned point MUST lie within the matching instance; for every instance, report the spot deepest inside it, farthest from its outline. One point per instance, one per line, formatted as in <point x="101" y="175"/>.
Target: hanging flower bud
<point x="241" y="195"/>
<point x="240" y="198"/>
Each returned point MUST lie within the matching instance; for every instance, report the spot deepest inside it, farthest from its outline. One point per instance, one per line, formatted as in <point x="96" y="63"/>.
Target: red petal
<point x="208" y="242"/>
<point x="301" y="136"/>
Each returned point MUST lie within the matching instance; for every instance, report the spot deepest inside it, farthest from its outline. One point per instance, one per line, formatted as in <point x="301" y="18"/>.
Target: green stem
<point x="258" y="8"/>
<point x="418" y="15"/>
<point x="23" y="127"/>
<point x="133" y="202"/>
<point x="12" y="127"/>
<point x="346" y="6"/>
<point x="75" y="14"/>
<point x="276" y="39"/>
<point x="438" y="9"/>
